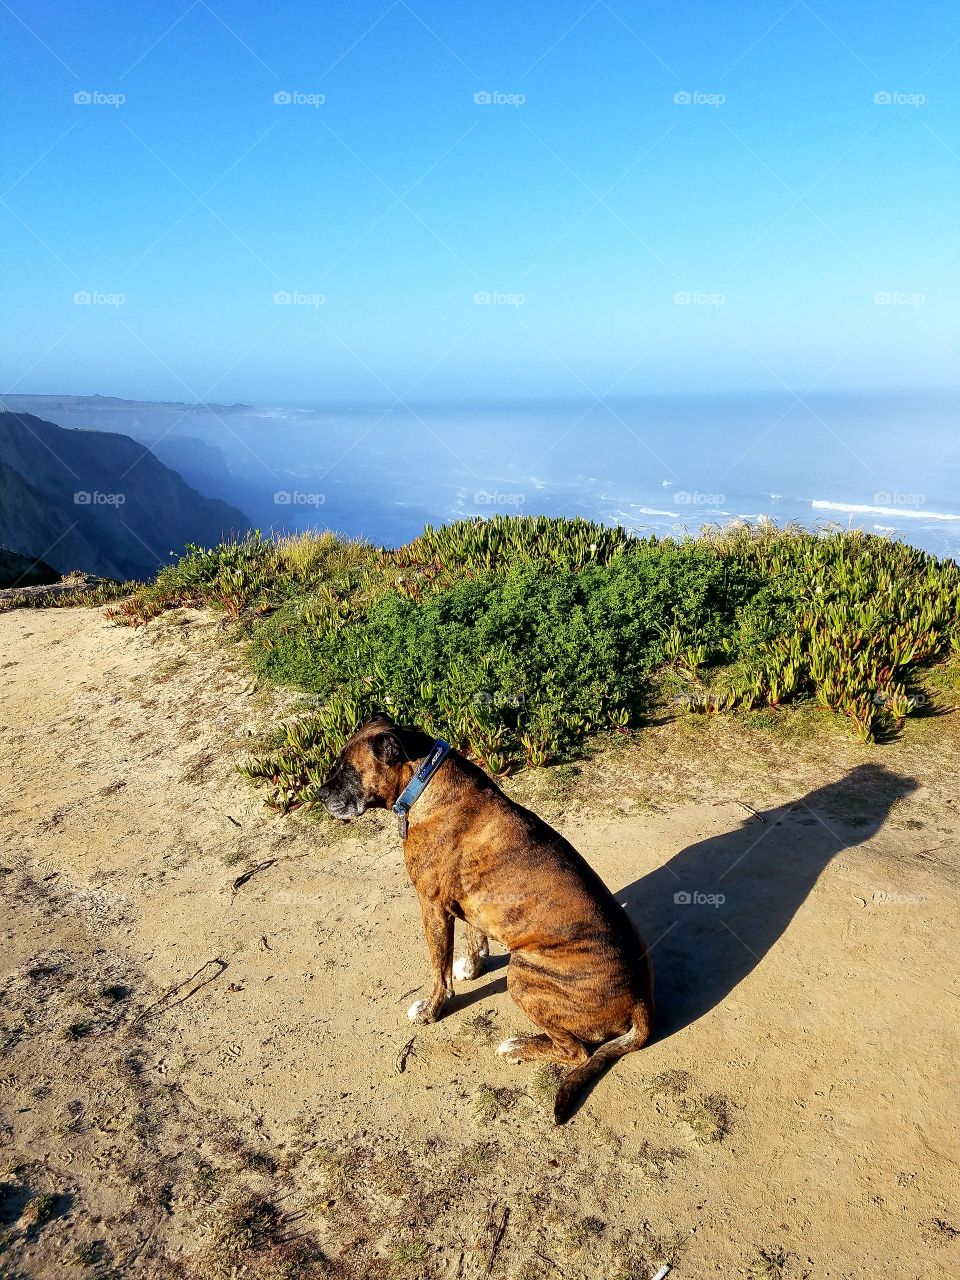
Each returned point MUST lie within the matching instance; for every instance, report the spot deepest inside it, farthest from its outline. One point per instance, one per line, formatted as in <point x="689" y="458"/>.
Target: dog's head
<point x="368" y="773"/>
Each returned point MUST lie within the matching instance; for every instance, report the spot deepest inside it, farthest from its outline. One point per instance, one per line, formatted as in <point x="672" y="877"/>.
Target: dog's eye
<point x="387" y="748"/>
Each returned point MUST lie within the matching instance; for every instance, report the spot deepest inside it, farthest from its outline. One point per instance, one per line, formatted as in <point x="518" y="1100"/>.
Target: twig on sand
<point x="247" y="875"/>
<point x="546" y="1258"/>
<point x="167" y="1001"/>
<point x="750" y="809"/>
<point x="234" y="821"/>
<point x="505" y="1217"/>
<point x="404" y="1054"/>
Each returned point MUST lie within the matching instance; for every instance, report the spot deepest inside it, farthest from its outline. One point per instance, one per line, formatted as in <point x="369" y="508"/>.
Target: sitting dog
<point x="577" y="968"/>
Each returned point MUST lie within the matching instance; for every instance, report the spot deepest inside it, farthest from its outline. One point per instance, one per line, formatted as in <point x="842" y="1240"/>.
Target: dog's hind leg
<point x="438" y="927"/>
<point x="561" y="1047"/>
<point x="538" y="1003"/>
<point x="475" y="961"/>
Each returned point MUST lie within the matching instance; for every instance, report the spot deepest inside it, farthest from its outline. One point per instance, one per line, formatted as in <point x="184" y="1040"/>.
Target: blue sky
<point x="632" y="155"/>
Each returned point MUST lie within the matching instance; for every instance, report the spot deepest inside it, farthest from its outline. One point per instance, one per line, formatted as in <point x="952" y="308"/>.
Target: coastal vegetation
<point x="520" y="638"/>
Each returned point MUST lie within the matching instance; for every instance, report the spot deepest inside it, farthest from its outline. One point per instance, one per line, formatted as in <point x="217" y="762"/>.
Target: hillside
<point x="24" y="571"/>
<point x="203" y="1002"/>
<point x="99" y="502"/>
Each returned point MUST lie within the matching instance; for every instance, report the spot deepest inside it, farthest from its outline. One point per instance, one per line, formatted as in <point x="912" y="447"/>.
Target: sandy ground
<point x="199" y="1078"/>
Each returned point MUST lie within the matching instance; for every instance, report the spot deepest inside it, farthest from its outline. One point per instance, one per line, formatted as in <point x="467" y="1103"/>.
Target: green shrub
<point x="516" y="668"/>
<point x="519" y="637"/>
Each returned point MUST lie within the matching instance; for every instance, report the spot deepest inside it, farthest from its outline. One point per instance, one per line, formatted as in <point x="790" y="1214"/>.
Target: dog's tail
<point x="577" y="1077"/>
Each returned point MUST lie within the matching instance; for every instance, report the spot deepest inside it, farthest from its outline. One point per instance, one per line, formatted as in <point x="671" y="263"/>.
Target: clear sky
<point x="791" y="168"/>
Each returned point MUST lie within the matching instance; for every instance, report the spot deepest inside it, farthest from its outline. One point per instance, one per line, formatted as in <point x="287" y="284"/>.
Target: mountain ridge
<point x="98" y="501"/>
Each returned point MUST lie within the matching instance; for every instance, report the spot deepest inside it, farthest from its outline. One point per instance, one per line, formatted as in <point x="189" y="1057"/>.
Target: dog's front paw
<point x="419" y="1012"/>
<point x="467" y="968"/>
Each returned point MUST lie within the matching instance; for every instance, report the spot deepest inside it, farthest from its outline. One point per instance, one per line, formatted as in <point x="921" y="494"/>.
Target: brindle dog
<point x="577" y="968"/>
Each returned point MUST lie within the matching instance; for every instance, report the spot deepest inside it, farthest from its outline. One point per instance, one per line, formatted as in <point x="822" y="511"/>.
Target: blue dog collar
<point x="418" y="783"/>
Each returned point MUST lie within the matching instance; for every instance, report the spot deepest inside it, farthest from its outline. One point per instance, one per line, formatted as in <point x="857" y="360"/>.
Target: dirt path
<point x="796" y="1116"/>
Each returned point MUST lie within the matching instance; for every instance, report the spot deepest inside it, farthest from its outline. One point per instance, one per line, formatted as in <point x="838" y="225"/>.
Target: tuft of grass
<point x="316" y="557"/>
<point x="655" y="1162"/>
<point x="672" y="1083"/>
<point x="940" y="1232"/>
<point x="544" y="1084"/>
<point x="481" y="1026"/>
<point x="115" y="993"/>
<point x="205" y="1181"/>
<point x="102" y="594"/>
<point x="78" y="1030"/>
<point x="481" y="1157"/>
<point x="40" y="1210"/>
<point x="771" y="1264"/>
<point x="584" y="1231"/>
<point x="490" y="1104"/>
<point x="249" y="1235"/>
<point x="89" y="1253"/>
<point x="708" y="1116"/>
<point x="409" y="1253"/>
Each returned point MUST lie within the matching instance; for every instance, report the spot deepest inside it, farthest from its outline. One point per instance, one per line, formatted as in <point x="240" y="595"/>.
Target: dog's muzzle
<point x="337" y="807"/>
<point x="342" y="793"/>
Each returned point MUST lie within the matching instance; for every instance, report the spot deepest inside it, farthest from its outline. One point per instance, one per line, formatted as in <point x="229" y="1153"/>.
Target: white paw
<point x="509" y="1048"/>
<point x="416" y="1009"/>
<point x="465" y="969"/>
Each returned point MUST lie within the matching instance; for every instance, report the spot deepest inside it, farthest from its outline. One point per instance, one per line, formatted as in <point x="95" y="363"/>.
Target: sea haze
<point x="887" y="463"/>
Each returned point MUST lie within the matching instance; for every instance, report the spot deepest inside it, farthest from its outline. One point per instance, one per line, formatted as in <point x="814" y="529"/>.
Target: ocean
<point x="886" y="462"/>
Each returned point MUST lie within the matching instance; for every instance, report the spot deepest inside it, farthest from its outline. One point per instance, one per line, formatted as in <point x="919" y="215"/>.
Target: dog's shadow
<point x="712" y="912"/>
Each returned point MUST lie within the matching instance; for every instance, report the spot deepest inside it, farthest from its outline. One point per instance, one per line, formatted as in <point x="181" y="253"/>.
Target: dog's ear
<point x="388" y="748"/>
<point x="381" y="717"/>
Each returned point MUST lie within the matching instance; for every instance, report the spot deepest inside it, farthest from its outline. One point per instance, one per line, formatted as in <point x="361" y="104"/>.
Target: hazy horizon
<point x="885" y="462"/>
